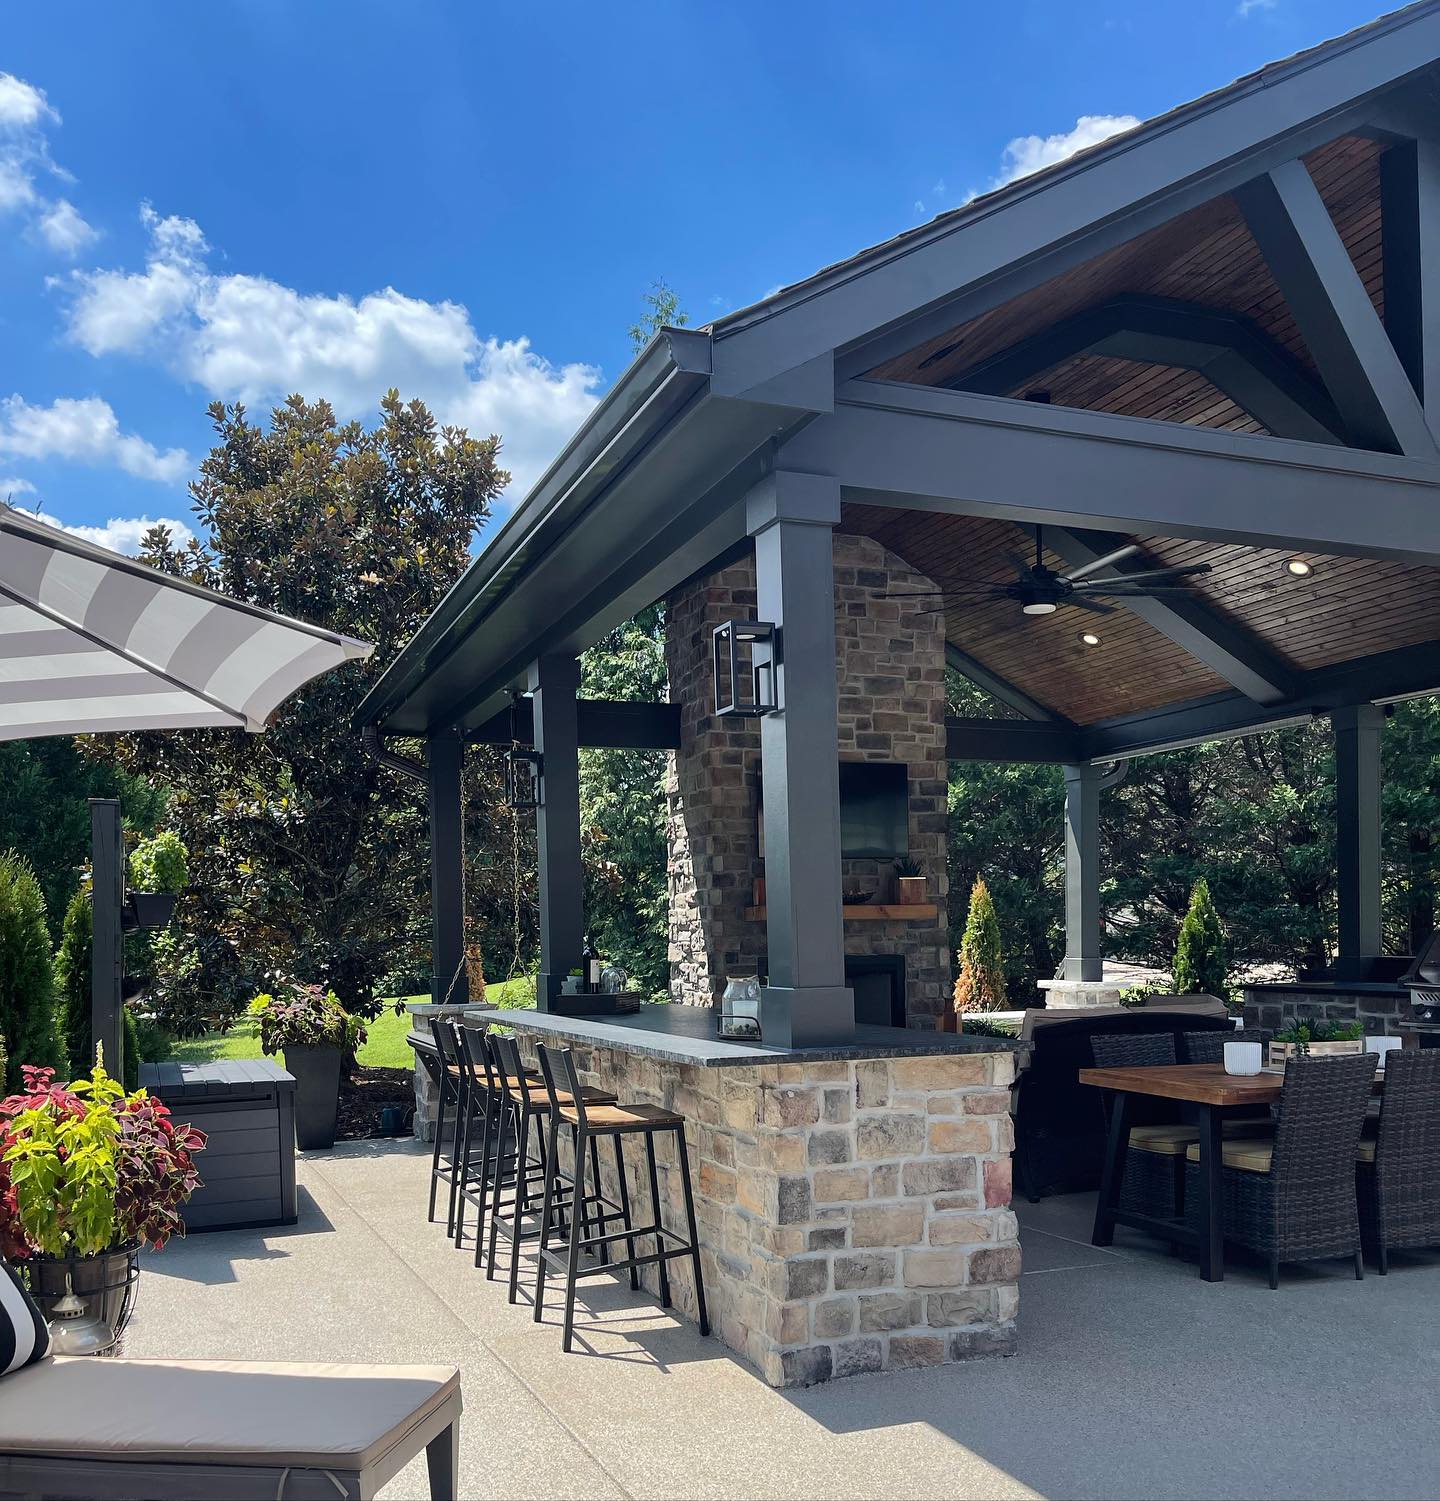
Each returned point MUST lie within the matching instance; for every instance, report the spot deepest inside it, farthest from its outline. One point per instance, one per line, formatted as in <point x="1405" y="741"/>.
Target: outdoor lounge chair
<point x="224" y="1430"/>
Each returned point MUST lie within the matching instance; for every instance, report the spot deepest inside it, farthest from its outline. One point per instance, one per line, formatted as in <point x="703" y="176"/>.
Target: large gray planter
<point x="317" y="1093"/>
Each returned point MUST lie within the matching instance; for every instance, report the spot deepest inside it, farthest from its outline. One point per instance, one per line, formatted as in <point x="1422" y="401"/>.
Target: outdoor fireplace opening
<point x="878" y="981"/>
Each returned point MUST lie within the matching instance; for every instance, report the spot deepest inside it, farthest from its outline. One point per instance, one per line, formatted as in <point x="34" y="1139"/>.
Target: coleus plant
<point x="85" y="1167"/>
<point x="296" y="1015"/>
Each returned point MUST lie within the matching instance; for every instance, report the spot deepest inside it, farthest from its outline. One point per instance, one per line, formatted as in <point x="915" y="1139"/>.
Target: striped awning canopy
<point x="91" y="642"/>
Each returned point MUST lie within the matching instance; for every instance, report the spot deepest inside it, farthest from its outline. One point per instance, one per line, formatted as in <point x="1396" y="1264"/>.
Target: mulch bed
<point x="366" y="1095"/>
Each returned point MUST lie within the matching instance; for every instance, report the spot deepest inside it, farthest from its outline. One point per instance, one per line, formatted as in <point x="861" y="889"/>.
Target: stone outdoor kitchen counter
<point x="853" y="1202"/>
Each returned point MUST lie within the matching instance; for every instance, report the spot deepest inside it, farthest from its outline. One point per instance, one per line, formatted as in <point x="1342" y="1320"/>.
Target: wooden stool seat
<point x="603" y="1118"/>
<point x="540" y="1101"/>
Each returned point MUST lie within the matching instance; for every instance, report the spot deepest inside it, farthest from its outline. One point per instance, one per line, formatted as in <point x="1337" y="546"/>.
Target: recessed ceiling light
<point x="1039" y="607"/>
<point x="1298" y="568"/>
<point x="1089" y="638"/>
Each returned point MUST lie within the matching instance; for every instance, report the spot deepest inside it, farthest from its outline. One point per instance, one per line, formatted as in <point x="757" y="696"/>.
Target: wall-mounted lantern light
<point x="524" y="768"/>
<point x="745" y="652"/>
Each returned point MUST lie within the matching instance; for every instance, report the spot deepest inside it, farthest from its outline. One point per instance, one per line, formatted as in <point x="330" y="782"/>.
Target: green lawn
<point x="385" y="1046"/>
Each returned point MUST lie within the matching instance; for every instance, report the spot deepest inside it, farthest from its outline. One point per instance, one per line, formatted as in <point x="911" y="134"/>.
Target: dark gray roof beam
<point x="1229" y="651"/>
<point x="1011" y="740"/>
<point x="1410" y="245"/>
<point x="1039" y="227"/>
<point x="604" y="724"/>
<point x="925" y="448"/>
<point x="1001" y="689"/>
<point x="1251" y="369"/>
<point x="1404" y="672"/>
<point x="1336" y="318"/>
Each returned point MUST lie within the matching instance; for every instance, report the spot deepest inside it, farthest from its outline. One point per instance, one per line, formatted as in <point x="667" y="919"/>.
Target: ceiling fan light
<point x="1039" y="607"/>
<point x="1089" y="638"/>
<point x="1298" y="568"/>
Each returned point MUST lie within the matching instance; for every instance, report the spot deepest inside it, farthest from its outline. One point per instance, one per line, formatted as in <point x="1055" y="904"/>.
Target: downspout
<point x="375" y="749"/>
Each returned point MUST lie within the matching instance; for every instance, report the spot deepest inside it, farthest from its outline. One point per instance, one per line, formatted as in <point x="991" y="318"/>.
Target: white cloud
<point x="1247" y="8"/>
<point x="126" y="533"/>
<point x="248" y="338"/>
<point x="1027" y="154"/>
<point x="63" y="229"/>
<point x="25" y="115"/>
<point x="22" y="105"/>
<point x="12" y="485"/>
<point x="84" y="431"/>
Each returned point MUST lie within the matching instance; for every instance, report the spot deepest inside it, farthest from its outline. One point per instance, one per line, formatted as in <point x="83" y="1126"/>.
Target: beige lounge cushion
<point x="335" y="1417"/>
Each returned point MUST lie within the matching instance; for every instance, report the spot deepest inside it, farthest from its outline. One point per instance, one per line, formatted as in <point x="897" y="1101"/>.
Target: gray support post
<point x="1357" y="827"/>
<point x="445" y="766"/>
<point x="553" y="683"/>
<point x="806" y="1002"/>
<point x="1083" y="959"/>
<point x="107" y="955"/>
<point x="1409" y="236"/>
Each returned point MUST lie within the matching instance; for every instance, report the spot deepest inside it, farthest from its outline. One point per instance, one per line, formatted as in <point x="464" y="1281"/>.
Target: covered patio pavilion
<point x="1211" y="340"/>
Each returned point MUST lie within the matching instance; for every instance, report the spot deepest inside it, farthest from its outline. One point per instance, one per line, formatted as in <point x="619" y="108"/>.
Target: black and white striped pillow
<point x="24" y="1334"/>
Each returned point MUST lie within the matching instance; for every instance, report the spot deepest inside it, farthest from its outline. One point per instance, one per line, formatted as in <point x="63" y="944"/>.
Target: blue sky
<point x="469" y="200"/>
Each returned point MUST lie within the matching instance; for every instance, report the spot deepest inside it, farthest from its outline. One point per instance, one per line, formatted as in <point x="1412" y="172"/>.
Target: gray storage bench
<point x="247" y="1109"/>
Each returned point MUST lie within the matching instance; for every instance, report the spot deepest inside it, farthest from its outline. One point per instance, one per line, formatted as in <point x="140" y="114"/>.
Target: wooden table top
<point x="1200" y="1083"/>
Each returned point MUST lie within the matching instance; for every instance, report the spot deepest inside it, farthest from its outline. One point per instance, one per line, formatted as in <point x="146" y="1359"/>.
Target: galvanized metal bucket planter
<point x="317" y="1093"/>
<point x="105" y="1282"/>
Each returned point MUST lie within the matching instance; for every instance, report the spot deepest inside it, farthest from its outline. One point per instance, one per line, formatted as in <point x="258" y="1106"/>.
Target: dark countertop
<point x="686" y="1034"/>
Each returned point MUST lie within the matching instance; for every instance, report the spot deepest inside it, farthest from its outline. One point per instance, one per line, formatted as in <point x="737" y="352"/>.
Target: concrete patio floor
<point x="1135" y="1379"/>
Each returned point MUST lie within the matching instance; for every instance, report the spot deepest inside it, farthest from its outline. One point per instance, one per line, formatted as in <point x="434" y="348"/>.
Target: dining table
<point x="1208" y="1096"/>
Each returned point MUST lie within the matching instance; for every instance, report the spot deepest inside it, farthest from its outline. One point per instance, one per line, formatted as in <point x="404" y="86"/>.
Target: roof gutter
<point x="662" y="378"/>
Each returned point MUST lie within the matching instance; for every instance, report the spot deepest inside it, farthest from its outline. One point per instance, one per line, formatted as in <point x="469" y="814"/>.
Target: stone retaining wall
<point x="1382" y="1012"/>
<point x="854" y="1217"/>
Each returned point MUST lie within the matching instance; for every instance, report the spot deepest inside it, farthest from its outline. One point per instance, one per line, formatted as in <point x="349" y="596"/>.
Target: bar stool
<point x="589" y="1121"/>
<point x="522" y="1103"/>
<point x="448" y="1076"/>
<point x="478" y="1125"/>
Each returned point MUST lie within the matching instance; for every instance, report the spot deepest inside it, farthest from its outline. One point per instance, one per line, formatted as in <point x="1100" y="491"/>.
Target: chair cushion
<point x="336" y="1417"/>
<point x="24" y="1334"/>
<point x="1168" y="1141"/>
<point x="1251" y="1155"/>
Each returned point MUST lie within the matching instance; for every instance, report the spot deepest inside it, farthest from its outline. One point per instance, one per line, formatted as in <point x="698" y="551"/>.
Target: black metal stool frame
<point x="562" y="1058"/>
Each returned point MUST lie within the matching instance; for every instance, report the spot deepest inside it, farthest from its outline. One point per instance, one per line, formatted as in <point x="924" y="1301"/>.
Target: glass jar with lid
<point x="740" y="1008"/>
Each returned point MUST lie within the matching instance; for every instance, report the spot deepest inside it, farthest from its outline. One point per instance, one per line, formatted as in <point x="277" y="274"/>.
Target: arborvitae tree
<point x="27" y="986"/>
<point x="1200" y="965"/>
<point x="72" y="983"/>
<point x="981" y="986"/>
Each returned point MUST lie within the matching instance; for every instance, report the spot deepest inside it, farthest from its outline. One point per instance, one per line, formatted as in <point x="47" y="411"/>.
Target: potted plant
<point x="159" y="871"/>
<point x="909" y="881"/>
<point x="88" y="1176"/>
<point x="308" y="1024"/>
<point x="1322" y="1039"/>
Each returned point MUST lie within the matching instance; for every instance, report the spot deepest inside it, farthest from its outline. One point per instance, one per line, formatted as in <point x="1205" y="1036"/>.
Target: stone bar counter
<point x="853" y="1201"/>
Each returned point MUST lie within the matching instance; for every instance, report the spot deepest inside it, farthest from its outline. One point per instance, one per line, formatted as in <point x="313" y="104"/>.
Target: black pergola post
<point x="1083" y="959"/>
<point x="107" y="955"/>
<point x="553" y="683"/>
<point x="445" y="766"/>
<point x="1357" y="827"/>
<point x="792" y="517"/>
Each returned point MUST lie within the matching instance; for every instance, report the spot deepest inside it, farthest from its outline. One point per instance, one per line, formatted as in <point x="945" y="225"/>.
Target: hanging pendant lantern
<point x="74" y="1330"/>
<point x="757" y="640"/>
<point x="524" y="768"/>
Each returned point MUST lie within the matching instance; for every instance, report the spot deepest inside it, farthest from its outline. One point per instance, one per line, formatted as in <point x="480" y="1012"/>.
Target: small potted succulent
<point x="159" y="870"/>
<point x="88" y="1176"/>
<point x="909" y="881"/>
<point x="308" y="1024"/>
<point x="1317" y="1038"/>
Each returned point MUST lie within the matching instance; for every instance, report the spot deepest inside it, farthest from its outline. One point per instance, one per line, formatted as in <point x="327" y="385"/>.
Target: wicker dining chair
<point x="1209" y="1047"/>
<point x="1293" y="1198"/>
<point x="1153" y="1178"/>
<point x="1398" y="1174"/>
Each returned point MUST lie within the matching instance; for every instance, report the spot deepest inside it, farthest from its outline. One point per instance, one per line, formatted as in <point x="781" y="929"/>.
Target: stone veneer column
<point x="854" y="1216"/>
<point x="891" y="681"/>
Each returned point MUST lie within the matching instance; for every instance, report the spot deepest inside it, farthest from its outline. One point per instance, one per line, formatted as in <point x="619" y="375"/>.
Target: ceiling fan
<point x="1039" y="590"/>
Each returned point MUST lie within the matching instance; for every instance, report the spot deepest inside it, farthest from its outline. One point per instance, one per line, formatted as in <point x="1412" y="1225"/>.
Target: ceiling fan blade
<point x="1084" y="602"/>
<point x="1144" y="591"/>
<point x="964" y="591"/>
<point x="1145" y="575"/>
<point x="1110" y="558"/>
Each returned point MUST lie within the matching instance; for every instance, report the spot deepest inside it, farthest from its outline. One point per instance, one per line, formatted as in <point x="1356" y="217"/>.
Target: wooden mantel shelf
<point x="868" y="912"/>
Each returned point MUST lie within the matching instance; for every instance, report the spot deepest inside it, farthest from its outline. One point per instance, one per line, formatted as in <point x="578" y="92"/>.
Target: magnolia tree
<point x="306" y="856"/>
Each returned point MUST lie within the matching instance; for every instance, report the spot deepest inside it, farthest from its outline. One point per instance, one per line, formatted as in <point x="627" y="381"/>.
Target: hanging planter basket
<point x="152" y="909"/>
